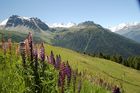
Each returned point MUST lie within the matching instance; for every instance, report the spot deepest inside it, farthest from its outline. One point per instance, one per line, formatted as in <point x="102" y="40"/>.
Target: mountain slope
<point x="95" y="39"/>
<point x="130" y="31"/>
<point x="106" y="69"/>
<point x="18" y="36"/>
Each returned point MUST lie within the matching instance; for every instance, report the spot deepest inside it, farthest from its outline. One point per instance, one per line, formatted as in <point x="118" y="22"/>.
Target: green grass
<point x="106" y="69"/>
<point x="95" y="67"/>
<point x="13" y="79"/>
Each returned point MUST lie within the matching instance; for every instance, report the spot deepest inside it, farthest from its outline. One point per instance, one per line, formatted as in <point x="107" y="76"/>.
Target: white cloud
<point x="62" y="25"/>
<point x="121" y="26"/>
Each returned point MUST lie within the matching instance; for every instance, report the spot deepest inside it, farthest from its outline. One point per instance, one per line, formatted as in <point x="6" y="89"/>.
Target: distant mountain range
<point x="87" y="36"/>
<point x="129" y="30"/>
<point x="92" y="38"/>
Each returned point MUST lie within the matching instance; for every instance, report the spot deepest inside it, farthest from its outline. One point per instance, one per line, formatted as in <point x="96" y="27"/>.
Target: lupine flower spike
<point x="61" y="80"/>
<point x="30" y="40"/>
<point x="52" y="59"/>
<point x="42" y="52"/>
<point x="57" y="62"/>
<point x="68" y="73"/>
<point x="35" y="54"/>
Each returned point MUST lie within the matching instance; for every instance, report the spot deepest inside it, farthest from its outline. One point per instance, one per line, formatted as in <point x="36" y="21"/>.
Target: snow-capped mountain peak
<point x="20" y="17"/>
<point x="122" y="25"/>
<point x="16" y="21"/>
<point x="24" y="18"/>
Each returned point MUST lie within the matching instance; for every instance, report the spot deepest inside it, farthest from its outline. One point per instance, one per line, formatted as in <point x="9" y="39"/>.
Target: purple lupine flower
<point x="59" y="58"/>
<point x="52" y="59"/>
<point x="68" y="73"/>
<point x="30" y="40"/>
<point x="42" y="52"/>
<point x="35" y="54"/>
<point x="57" y="62"/>
<point x="61" y="80"/>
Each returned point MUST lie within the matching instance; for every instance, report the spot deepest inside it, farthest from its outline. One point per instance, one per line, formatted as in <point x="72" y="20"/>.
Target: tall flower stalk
<point x="35" y="54"/>
<point x="42" y="57"/>
<point x="52" y="59"/>
<point x="42" y="52"/>
<point x="68" y="73"/>
<point x="27" y="49"/>
<point x="61" y="80"/>
<point x="30" y="41"/>
<point x="57" y="62"/>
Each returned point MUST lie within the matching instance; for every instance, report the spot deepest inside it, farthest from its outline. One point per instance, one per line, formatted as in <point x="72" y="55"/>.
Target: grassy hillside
<point x="106" y="69"/>
<point x="94" y="68"/>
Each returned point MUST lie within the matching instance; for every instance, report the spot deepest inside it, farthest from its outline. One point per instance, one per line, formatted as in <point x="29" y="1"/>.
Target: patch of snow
<point x="4" y="22"/>
<point x="26" y="18"/>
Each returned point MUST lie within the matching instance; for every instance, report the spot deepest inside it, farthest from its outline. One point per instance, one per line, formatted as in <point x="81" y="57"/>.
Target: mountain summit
<point x="16" y="22"/>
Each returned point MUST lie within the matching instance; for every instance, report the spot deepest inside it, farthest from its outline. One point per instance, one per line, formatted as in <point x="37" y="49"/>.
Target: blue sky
<point x="104" y="12"/>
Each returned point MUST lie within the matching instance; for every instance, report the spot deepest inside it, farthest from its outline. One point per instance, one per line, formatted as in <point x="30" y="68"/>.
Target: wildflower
<point x="30" y="40"/>
<point x="35" y="54"/>
<point x="42" y="52"/>
<point x="61" y="80"/>
<point x="59" y="58"/>
<point x="52" y="59"/>
<point x="68" y="73"/>
<point x="57" y="62"/>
